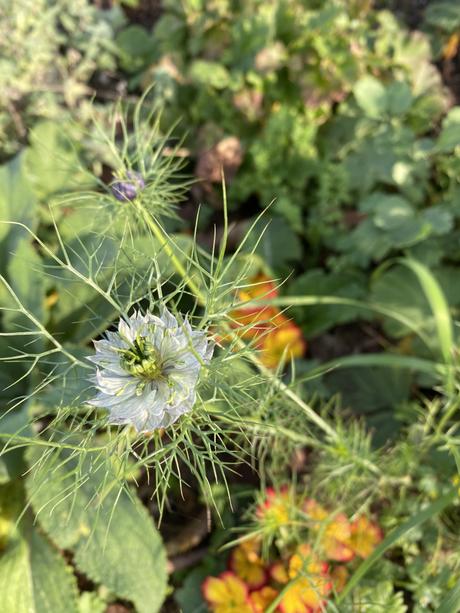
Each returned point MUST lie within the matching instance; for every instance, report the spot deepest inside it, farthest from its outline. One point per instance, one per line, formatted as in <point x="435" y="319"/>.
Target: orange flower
<point x="252" y="322"/>
<point x="245" y="562"/>
<point x="275" y="510"/>
<point x="274" y="334"/>
<point x="279" y="573"/>
<point x="365" y="536"/>
<point x="284" y="341"/>
<point x="227" y="593"/>
<point x="315" y="511"/>
<point x="334" y="532"/>
<point x="261" y="599"/>
<point x="260" y="286"/>
<point x="311" y="583"/>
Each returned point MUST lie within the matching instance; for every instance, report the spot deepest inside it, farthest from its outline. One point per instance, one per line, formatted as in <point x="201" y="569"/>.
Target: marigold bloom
<point x="279" y="573"/>
<point x="285" y="341"/>
<point x="266" y="327"/>
<point x="253" y="321"/>
<point x="334" y="532"/>
<point x="275" y="510"/>
<point x="365" y="536"/>
<point x="312" y="583"/>
<point x="260" y="286"/>
<point x="261" y="599"/>
<point x="148" y="370"/>
<point x="227" y="593"/>
<point x="245" y="562"/>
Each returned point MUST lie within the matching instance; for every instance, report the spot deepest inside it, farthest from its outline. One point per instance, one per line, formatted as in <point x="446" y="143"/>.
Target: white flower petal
<point x="135" y="399"/>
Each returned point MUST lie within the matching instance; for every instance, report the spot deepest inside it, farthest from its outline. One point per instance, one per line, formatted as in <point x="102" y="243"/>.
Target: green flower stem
<point x="181" y="270"/>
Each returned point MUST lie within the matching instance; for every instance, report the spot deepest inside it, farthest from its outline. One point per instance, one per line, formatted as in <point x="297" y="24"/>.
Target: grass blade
<point x="451" y="602"/>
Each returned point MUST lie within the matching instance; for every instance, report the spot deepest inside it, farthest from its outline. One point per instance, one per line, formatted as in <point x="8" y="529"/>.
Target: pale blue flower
<point x="147" y="372"/>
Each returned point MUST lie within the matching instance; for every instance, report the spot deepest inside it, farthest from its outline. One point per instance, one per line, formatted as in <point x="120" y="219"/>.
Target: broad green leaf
<point x="371" y="389"/>
<point x="17" y="204"/>
<point x="451" y="602"/>
<point x="399" y="290"/>
<point x="34" y="577"/>
<point x="136" y="47"/>
<point x="398" y="98"/>
<point x="51" y="163"/>
<point x="208" y="73"/>
<point x="26" y="275"/>
<point x="449" y="137"/>
<point x="113" y="538"/>
<point x="70" y="385"/>
<point x="317" y="319"/>
<point x="89" y="602"/>
<point x="276" y="243"/>
<point x="189" y="596"/>
<point x="13" y="423"/>
<point x="370" y="94"/>
<point x="443" y="14"/>
<point x="391" y="212"/>
<point x="440" y="219"/>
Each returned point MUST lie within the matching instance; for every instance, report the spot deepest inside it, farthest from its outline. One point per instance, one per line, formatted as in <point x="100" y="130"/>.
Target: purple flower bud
<point x="129" y="189"/>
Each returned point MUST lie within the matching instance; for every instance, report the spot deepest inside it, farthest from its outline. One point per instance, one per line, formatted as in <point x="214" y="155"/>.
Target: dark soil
<point x="145" y="13"/>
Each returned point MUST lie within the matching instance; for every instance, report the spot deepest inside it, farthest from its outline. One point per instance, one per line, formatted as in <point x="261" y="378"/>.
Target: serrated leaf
<point x="380" y="598"/>
<point x="111" y="534"/>
<point x="34" y="577"/>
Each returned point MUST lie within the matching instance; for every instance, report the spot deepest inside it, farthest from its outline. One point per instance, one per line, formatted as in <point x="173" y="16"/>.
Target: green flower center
<point x="142" y="360"/>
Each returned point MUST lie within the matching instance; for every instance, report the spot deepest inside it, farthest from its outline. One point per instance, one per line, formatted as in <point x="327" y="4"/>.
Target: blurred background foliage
<point x="341" y="118"/>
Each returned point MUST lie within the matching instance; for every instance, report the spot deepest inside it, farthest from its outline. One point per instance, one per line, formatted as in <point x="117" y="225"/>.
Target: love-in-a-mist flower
<point x="147" y="371"/>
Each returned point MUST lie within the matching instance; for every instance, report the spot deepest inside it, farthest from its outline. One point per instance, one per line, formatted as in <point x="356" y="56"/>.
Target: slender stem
<point x="180" y="268"/>
<point x="447" y="416"/>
